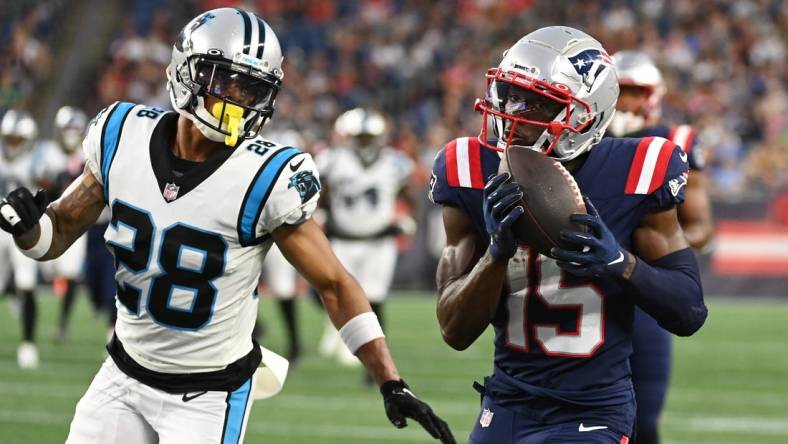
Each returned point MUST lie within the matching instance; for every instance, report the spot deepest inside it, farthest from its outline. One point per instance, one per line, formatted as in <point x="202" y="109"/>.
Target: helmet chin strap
<point x="626" y="122"/>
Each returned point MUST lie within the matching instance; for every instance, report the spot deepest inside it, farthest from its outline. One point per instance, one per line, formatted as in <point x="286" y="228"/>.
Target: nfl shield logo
<point x="170" y="192"/>
<point x="486" y="418"/>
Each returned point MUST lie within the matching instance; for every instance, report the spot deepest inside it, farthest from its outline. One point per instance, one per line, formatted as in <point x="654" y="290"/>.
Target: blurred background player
<point x="362" y="180"/>
<point x="19" y="131"/>
<point x="638" y="114"/>
<point x="66" y="270"/>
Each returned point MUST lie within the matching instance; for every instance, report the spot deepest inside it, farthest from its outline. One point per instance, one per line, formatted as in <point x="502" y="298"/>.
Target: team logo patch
<point x="170" y="192"/>
<point x="305" y="183"/>
<point x="589" y="64"/>
<point x="433" y="181"/>
<point x="486" y="418"/>
<point x="676" y="184"/>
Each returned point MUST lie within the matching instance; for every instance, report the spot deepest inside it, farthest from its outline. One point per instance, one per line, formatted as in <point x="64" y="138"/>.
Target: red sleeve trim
<point x="452" y="175"/>
<point x="475" y="160"/>
<point x="649" y="165"/>
<point x="637" y="165"/>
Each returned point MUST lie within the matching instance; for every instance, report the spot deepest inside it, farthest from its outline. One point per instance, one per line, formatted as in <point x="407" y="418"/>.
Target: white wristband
<point x="361" y="329"/>
<point x="44" y="240"/>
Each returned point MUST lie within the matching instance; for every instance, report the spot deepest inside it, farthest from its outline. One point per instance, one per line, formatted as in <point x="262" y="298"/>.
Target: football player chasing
<point x="362" y="181"/>
<point x="563" y="323"/>
<point x="638" y="114"/>
<point x="196" y="199"/>
<point x="19" y="158"/>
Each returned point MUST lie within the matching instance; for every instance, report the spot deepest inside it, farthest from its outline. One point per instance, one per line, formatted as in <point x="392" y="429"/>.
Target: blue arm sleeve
<point x="669" y="290"/>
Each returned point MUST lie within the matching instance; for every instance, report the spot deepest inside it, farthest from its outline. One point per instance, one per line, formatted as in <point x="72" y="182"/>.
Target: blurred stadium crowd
<point x="423" y="62"/>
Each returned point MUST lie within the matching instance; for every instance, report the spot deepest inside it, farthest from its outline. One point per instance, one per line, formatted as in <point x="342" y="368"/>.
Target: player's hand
<point x="401" y="403"/>
<point x="20" y="211"/>
<point x="598" y="253"/>
<point x="501" y="196"/>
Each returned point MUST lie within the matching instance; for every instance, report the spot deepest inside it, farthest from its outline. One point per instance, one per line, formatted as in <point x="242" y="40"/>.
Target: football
<point x="551" y="196"/>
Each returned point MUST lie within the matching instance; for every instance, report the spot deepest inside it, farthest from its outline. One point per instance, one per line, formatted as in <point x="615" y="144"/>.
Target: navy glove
<point x="598" y="253"/>
<point x="500" y="208"/>
<point x="401" y="403"/>
<point x="20" y="211"/>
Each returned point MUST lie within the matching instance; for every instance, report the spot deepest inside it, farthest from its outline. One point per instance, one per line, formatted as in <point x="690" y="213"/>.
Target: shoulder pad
<point x="655" y="160"/>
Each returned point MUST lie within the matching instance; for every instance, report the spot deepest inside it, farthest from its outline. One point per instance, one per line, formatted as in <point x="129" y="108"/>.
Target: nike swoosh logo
<point x="187" y="398"/>
<point x="683" y="156"/>
<point x="295" y="167"/>
<point x="582" y="428"/>
<point x="620" y="258"/>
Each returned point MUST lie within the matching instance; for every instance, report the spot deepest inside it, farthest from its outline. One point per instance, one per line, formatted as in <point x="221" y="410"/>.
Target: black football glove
<point x="20" y="211"/>
<point x="401" y="403"/>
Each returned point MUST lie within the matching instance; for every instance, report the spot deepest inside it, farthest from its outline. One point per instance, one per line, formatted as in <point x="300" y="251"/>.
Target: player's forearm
<point x="345" y="300"/>
<point x="376" y="357"/>
<point x="72" y="214"/>
<point x="669" y="290"/>
<point x="467" y="304"/>
<point x="63" y="235"/>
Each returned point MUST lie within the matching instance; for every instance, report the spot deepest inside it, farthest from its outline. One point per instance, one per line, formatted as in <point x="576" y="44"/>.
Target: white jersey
<point x="362" y="199"/>
<point x="28" y="169"/>
<point x="190" y="248"/>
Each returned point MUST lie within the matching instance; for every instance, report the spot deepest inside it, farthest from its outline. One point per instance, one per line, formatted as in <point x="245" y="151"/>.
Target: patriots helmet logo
<point x="305" y="183"/>
<point x="589" y="64"/>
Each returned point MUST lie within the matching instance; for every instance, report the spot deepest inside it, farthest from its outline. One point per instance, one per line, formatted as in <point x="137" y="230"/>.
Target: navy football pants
<point x="650" y="374"/>
<point x="500" y="425"/>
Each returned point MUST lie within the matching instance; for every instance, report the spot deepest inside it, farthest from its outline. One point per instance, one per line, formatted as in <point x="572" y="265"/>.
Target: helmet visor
<point x="234" y="87"/>
<point x="530" y="106"/>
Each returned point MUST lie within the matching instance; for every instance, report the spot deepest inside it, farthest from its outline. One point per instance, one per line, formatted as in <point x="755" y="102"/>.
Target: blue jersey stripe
<point x="260" y="190"/>
<point x="236" y="403"/>
<point x="110" y="138"/>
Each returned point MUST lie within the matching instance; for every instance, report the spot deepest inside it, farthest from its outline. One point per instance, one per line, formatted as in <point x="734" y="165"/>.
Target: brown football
<point x="551" y="196"/>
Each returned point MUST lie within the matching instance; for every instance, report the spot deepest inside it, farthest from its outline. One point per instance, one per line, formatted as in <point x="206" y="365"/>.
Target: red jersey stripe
<point x="452" y="175"/>
<point x="661" y="167"/>
<point x="637" y="165"/>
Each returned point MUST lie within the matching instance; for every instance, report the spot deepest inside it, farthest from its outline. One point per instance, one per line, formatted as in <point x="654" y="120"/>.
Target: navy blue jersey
<point x="563" y="344"/>
<point x="681" y="135"/>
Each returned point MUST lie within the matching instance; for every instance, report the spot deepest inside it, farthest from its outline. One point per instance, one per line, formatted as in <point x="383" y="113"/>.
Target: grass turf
<point x="730" y="382"/>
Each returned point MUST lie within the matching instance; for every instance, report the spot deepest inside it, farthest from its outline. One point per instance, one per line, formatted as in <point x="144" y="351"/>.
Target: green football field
<point x="730" y="381"/>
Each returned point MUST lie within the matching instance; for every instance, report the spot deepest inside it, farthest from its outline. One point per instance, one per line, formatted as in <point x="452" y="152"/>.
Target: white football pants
<point x="119" y="409"/>
<point x="13" y="261"/>
<point x="371" y="262"/>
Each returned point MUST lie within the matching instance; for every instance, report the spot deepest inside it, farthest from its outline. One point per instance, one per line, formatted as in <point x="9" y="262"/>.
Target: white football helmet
<point x="70" y="125"/>
<point x="555" y="91"/>
<point x="19" y="132"/>
<point x="636" y="69"/>
<point x="231" y="58"/>
<point x="365" y="130"/>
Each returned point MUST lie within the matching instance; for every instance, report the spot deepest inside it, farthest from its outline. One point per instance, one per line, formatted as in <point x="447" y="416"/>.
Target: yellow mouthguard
<point x="233" y="114"/>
